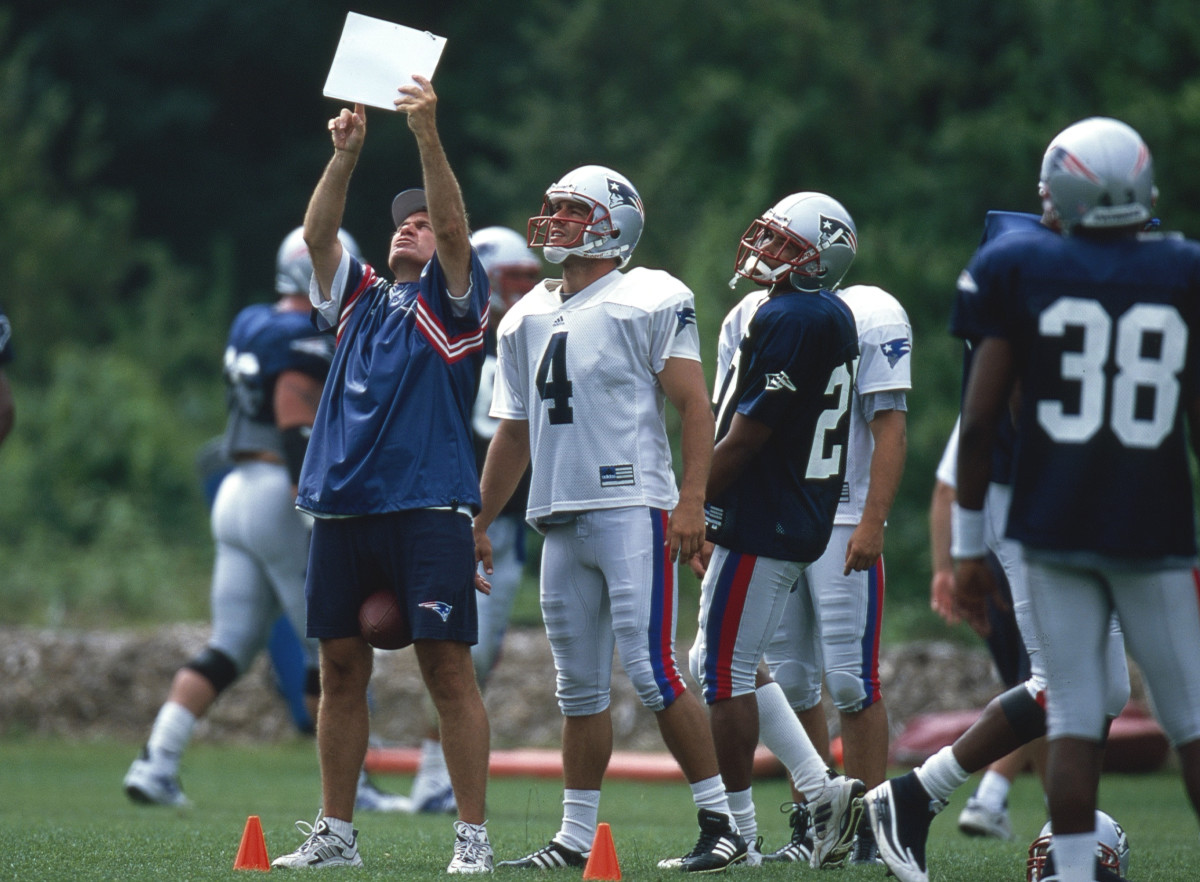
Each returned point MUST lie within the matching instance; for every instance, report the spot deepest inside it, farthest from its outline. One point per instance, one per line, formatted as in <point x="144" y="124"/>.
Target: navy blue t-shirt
<point x="795" y="373"/>
<point x="1104" y="336"/>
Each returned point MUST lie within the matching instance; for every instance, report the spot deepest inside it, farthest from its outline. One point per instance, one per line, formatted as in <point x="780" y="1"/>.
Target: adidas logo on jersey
<point x="558" y="322"/>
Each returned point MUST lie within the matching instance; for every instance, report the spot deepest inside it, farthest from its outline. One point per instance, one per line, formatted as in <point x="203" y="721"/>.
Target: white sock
<point x="343" y="829"/>
<point x="993" y="791"/>
<point x="781" y="732"/>
<point x="710" y="794"/>
<point x="1074" y="856"/>
<point x="432" y="757"/>
<point x="169" y="736"/>
<point x="741" y="803"/>
<point x="941" y="774"/>
<point x="581" y="810"/>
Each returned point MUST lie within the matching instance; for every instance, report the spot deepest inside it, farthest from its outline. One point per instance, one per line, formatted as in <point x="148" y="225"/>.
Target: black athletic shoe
<point x="553" y="857"/>
<point x="799" y="847"/>
<point x="717" y="848"/>
<point x="900" y="813"/>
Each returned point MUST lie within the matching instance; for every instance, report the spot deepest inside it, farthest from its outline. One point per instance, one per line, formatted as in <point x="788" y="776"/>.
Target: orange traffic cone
<point x="252" y="853"/>
<point x="602" y="863"/>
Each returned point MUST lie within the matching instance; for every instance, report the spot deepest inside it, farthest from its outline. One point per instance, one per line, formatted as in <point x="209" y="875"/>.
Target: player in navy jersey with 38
<point x="390" y="475"/>
<point x="778" y="468"/>
<point x="1101" y="329"/>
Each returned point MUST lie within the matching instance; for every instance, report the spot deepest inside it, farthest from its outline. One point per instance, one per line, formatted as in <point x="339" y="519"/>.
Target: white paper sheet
<point x="375" y="57"/>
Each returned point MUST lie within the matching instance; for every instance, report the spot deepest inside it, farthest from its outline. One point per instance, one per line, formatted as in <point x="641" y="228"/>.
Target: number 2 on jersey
<point x="552" y="382"/>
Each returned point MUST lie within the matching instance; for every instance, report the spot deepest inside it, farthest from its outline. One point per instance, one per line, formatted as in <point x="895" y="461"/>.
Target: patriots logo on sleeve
<point x="442" y="608"/>
<point x="685" y="316"/>
<point x="836" y="232"/>
<point x="779" y="381"/>
<point x="894" y="350"/>
<point x="622" y="194"/>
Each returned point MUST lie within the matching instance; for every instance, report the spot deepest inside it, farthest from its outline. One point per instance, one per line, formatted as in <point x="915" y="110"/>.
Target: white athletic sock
<point x="343" y="829"/>
<point x="741" y="803"/>
<point x="993" y="791"/>
<point x="710" y="794"/>
<point x="941" y="774"/>
<point x="781" y="731"/>
<point x="581" y="810"/>
<point x="432" y="757"/>
<point x="1074" y="856"/>
<point x="169" y="736"/>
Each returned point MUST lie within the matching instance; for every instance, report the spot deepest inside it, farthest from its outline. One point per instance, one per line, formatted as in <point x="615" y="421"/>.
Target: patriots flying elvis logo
<point x="441" y="608"/>
<point x="685" y="316"/>
<point x="894" y="350"/>
<point x="623" y="194"/>
<point x="836" y="232"/>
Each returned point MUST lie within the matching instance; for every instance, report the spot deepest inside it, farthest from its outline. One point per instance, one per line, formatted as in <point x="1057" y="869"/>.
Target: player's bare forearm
<point x="683" y="382"/>
<point x="323" y="217"/>
<point x="988" y="390"/>
<point x="447" y="210"/>
<point x="973" y="585"/>
<point x="507" y="459"/>
<point x="890" y="433"/>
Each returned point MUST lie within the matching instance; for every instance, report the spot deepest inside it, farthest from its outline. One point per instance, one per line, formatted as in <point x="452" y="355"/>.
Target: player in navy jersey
<point x="390" y="475"/>
<point x="7" y="409"/>
<point x="275" y="364"/>
<point x="585" y="367"/>
<point x="783" y="415"/>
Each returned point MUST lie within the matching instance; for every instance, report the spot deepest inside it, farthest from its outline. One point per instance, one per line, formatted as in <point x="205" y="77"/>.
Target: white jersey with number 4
<point x="884" y="365"/>
<point x="584" y="373"/>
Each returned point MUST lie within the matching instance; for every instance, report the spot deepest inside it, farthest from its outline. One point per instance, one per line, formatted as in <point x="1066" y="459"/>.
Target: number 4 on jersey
<point x="552" y="382"/>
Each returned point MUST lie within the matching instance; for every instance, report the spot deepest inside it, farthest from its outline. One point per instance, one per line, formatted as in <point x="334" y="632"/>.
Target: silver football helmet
<point x="293" y="264"/>
<point x="614" y="222"/>
<point x="511" y="266"/>
<point x="1098" y="174"/>
<point x="1112" y="848"/>
<point x="809" y="236"/>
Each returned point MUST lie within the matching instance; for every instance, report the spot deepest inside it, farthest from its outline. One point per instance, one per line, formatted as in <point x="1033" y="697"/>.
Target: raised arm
<point x="324" y="215"/>
<point x="447" y="212"/>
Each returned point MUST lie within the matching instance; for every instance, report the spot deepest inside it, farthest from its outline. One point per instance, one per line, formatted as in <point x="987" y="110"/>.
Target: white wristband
<point x="966" y="533"/>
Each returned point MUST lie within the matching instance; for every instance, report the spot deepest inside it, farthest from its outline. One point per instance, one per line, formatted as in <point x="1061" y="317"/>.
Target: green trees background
<point x="153" y="155"/>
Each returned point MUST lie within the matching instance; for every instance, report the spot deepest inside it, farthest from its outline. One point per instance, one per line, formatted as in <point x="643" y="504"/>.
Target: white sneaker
<point x="369" y="798"/>
<point x="472" y="851"/>
<point x="145" y="784"/>
<point x="432" y="793"/>
<point x="323" y="848"/>
<point x="976" y="819"/>
<point x="754" y="855"/>
<point x="835" y="815"/>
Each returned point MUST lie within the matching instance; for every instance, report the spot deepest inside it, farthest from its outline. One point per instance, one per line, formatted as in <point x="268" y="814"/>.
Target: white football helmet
<point x="1098" y="174"/>
<point x="293" y="264"/>
<point x="511" y="266"/>
<point x="614" y="222"/>
<point x="808" y="236"/>
<point x="1112" y="848"/>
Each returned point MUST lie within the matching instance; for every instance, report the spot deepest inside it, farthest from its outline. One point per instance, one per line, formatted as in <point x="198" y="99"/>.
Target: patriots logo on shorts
<point x="685" y="316"/>
<point x="439" y="607"/>
<point x="622" y="194"/>
<point x="895" y="350"/>
<point x="836" y="232"/>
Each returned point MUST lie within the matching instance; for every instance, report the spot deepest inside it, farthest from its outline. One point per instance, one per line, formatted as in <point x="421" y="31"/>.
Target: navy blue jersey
<point x="1104" y="338"/>
<point x="393" y="427"/>
<point x="266" y="341"/>
<point x="995" y="225"/>
<point x="6" y="350"/>
<point x="793" y="371"/>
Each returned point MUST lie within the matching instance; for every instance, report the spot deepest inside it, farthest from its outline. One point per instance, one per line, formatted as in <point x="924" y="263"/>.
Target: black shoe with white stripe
<point x="717" y="848"/>
<point x="554" y="856"/>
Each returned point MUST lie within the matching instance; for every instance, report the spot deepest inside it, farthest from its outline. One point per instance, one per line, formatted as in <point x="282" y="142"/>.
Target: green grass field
<point x="63" y="816"/>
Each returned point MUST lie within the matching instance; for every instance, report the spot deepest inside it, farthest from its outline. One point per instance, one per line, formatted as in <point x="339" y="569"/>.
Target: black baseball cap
<point x="406" y="202"/>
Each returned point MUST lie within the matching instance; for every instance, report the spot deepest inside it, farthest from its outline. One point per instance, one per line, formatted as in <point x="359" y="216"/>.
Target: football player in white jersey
<point x="832" y="625"/>
<point x="586" y="366"/>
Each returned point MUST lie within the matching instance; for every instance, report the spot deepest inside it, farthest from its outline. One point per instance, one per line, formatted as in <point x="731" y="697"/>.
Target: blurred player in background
<point x="7" y="408"/>
<point x="586" y="365"/>
<point x="512" y="270"/>
<point x="275" y="367"/>
<point x="390" y="475"/>
<point x="785" y="372"/>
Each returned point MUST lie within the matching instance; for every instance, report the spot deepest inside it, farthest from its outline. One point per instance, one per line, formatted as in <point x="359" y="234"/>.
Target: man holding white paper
<point x="390" y="475"/>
